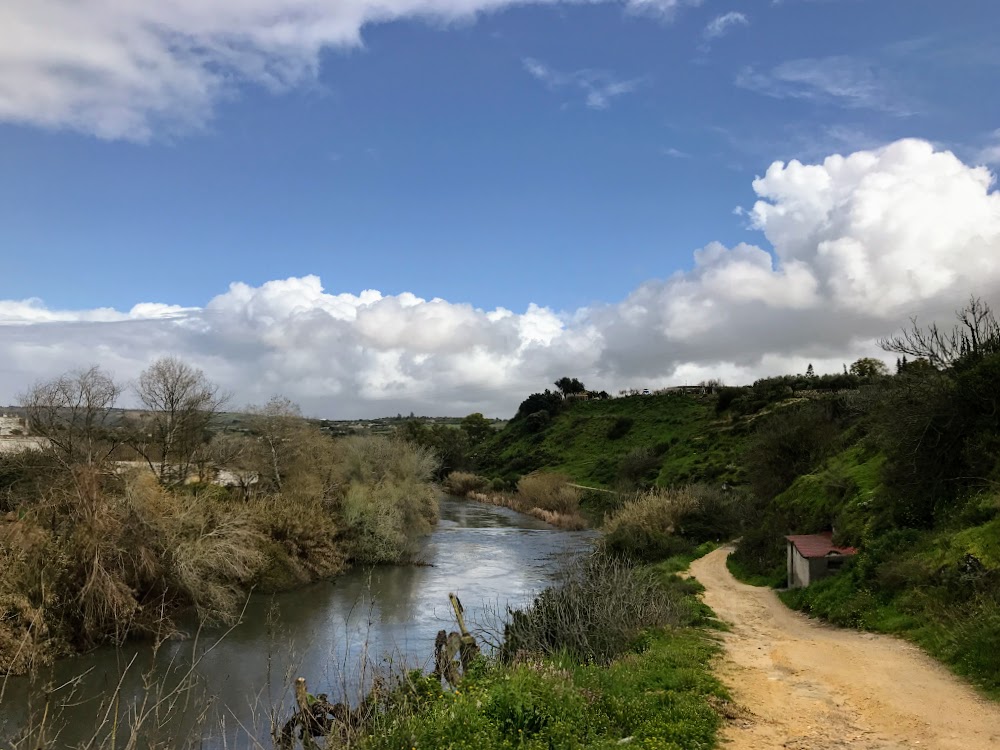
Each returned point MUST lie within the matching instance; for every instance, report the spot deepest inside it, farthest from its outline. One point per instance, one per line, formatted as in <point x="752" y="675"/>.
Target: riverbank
<point x="549" y="497"/>
<point x="91" y="556"/>
<point x="337" y="634"/>
<point x="655" y="691"/>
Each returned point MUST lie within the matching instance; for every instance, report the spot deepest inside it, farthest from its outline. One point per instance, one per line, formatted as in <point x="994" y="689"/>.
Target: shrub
<point x="726" y="397"/>
<point x="715" y="515"/>
<point x="301" y="540"/>
<point x="461" y="483"/>
<point x="389" y="501"/>
<point x="550" y="492"/>
<point x="639" y="467"/>
<point x="620" y="428"/>
<point x="537" y="421"/>
<point x="646" y="528"/>
<point x="786" y="444"/>
<point x="594" y="611"/>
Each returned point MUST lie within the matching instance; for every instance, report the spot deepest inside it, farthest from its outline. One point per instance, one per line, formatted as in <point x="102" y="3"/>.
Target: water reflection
<point x="490" y="557"/>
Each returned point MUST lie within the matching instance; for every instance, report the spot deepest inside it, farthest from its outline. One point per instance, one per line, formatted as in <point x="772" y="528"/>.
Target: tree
<point x="276" y="425"/>
<point x="810" y="372"/>
<point x="74" y="412"/>
<point x="548" y="402"/>
<point x="977" y="333"/>
<point x="869" y="368"/>
<point x="477" y="427"/>
<point x="182" y="403"/>
<point x="569" y="386"/>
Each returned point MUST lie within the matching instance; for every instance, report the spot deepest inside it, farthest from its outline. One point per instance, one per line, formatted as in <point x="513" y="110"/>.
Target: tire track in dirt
<point x="810" y="686"/>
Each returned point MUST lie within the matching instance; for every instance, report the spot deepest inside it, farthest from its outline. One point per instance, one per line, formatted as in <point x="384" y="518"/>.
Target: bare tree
<point x="237" y="454"/>
<point x="278" y="426"/>
<point x="74" y="412"/>
<point x="182" y="403"/>
<point x="977" y="333"/>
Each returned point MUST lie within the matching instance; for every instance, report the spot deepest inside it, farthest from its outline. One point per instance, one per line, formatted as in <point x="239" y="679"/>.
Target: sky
<point x="441" y="206"/>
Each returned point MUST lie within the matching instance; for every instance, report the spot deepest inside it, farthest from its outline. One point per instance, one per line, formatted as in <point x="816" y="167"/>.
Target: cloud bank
<point x="855" y="245"/>
<point x="126" y="69"/>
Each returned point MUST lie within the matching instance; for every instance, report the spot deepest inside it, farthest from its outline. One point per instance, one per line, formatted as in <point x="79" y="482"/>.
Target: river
<point x="333" y="633"/>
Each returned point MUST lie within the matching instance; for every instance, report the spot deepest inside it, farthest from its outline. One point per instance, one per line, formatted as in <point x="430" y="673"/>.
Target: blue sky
<point x="561" y="154"/>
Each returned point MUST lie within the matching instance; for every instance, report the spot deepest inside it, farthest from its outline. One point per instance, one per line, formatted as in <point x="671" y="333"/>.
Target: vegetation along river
<point x="490" y="557"/>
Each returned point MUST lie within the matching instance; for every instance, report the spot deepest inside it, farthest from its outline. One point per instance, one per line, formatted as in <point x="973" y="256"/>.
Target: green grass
<point x="775" y="579"/>
<point x="661" y="698"/>
<point x="679" y="563"/>
<point x="840" y="494"/>
<point x="590" y="439"/>
<point x="659" y="695"/>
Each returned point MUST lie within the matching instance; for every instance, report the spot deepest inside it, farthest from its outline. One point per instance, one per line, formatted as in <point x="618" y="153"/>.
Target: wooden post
<point x="305" y="714"/>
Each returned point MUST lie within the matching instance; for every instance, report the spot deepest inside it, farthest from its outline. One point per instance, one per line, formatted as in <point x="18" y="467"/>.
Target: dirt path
<point x="809" y="686"/>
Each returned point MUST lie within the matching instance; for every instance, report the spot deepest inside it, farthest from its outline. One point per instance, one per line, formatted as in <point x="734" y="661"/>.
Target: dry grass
<point x="571" y="521"/>
<point x="565" y="521"/>
<point x="92" y="556"/>
<point x="594" y="611"/>
<point x="550" y="492"/>
<point x="644" y="527"/>
<point x="461" y="483"/>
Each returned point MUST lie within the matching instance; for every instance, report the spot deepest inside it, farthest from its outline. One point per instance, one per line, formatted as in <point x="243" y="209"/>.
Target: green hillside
<point x="905" y="468"/>
<point x="662" y="439"/>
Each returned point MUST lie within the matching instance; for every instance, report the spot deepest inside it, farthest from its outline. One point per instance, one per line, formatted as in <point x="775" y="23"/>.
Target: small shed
<point x="814" y="556"/>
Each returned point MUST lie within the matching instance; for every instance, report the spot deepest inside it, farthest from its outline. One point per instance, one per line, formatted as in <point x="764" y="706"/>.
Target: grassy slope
<point x="911" y="583"/>
<point x="690" y="442"/>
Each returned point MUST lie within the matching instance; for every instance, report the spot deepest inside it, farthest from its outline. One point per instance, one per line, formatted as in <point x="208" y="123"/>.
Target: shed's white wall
<point x="798" y="568"/>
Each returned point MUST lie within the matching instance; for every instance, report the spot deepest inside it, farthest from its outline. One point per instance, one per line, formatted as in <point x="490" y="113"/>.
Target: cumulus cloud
<point x="854" y="246"/>
<point x="598" y="87"/>
<point x="990" y="153"/>
<point x="120" y="69"/>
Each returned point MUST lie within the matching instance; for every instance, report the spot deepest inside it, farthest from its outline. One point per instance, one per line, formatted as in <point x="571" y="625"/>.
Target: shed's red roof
<point x="818" y="545"/>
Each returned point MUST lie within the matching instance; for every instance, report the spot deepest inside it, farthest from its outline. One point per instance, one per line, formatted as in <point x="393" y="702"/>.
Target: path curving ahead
<point x="810" y="686"/>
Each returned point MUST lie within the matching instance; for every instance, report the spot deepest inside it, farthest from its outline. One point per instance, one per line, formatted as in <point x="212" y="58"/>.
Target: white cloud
<point x="990" y="153"/>
<point x="856" y="244"/>
<point x="675" y="153"/>
<point x="599" y="87"/>
<point x="720" y="25"/>
<point x="848" y="81"/>
<point x="127" y="69"/>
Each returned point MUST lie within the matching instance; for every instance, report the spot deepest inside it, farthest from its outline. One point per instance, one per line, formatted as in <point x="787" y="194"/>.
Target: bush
<point x="645" y="527"/>
<point x="302" y="541"/>
<point x="762" y="550"/>
<point x="716" y="515"/>
<point x="786" y="444"/>
<point x="389" y="502"/>
<point x="537" y="421"/>
<point x="550" y="492"/>
<point x="595" y="611"/>
<point x="639" y="467"/>
<point x="461" y="483"/>
<point x="620" y="428"/>
<point x="726" y="397"/>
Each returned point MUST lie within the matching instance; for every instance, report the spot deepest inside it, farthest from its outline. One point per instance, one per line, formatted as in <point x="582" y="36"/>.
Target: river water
<point x="332" y="633"/>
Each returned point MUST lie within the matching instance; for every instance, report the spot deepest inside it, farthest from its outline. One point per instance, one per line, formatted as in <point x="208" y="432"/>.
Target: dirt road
<point x="808" y="686"/>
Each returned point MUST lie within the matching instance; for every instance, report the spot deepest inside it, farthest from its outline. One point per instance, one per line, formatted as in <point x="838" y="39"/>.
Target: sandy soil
<point x="800" y="684"/>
